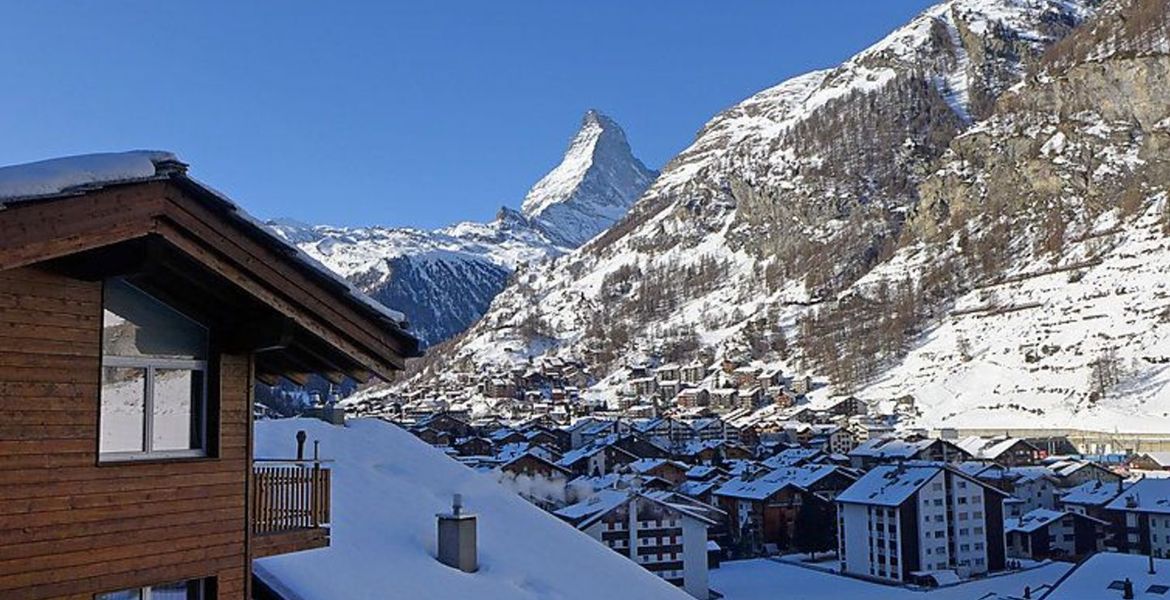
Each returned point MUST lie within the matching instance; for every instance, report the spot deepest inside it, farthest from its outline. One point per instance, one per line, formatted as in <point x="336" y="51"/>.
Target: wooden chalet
<point x="137" y="310"/>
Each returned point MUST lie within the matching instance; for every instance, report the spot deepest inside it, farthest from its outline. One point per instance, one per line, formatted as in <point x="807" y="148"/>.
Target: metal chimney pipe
<point x="301" y="437"/>
<point x="457" y="538"/>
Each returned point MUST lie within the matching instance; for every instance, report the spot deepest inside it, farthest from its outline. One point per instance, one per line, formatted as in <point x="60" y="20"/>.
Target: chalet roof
<point x="585" y="513"/>
<point x="988" y="448"/>
<point x="764" y="486"/>
<point x="1146" y="496"/>
<point x="1092" y="493"/>
<point x="791" y="457"/>
<point x="23" y="187"/>
<point x="1160" y="458"/>
<point x="1041" y="517"/>
<point x="531" y="455"/>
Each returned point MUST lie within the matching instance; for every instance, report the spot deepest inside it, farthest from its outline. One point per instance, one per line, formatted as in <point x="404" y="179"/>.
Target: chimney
<point x="1127" y="590"/>
<point x="457" y="543"/>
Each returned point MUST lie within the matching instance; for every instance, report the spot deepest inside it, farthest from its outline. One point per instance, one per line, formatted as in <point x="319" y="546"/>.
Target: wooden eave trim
<point x="265" y="264"/>
<point x="277" y="265"/>
<point x="208" y="257"/>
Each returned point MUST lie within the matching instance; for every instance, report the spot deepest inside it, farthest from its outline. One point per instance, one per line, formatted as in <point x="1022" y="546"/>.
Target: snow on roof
<point x="891" y="447"/>
<point x="387" y="487"/>
<point x="1033" y="520"/>
<point x="1147" y="496"/>
<point x="768" y="484"/>
<point x="697" y="488"/>
<point x="889" y="485"/>
<point x="1161" y="458"/>
<point x="987" y="448"/>
<point x="790" y="457"/>
<point x="1092" y="493"/>
<point x="75" y="174"/>
<point x="1102" y="575"/>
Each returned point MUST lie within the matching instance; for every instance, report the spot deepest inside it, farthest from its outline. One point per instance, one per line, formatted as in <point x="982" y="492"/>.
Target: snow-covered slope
<point x="857" y="213"/>
<point x="387" y="488"/>
<point x="593" y="186"/>
<point x="444" y="279"/>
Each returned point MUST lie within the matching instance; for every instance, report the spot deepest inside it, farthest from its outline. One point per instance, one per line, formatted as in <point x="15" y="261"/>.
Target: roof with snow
<point x="387" y="488"/>
<point x="766" y="485"/>
<point x="1042" y="517"/>
<point x="1092" y="493"/>
<point x="585" y="513"/>
<point x="988" y="448"/>
<point x="1101" y="577"/>
<point x="1146" y="496"/>
<point x="891" y="485"/>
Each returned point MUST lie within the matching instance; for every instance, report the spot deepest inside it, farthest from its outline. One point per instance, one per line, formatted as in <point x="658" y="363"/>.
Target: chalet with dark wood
<point x="138" y="307"/>
<point x="762" y="509"/>
<point x="1048" y="534"/>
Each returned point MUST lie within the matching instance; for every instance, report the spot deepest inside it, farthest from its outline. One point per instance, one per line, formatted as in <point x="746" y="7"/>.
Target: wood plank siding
<point x="69" y="527"/>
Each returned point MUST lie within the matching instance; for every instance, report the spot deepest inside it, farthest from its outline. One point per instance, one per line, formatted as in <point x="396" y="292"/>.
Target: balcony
<point x="290" y="506"/>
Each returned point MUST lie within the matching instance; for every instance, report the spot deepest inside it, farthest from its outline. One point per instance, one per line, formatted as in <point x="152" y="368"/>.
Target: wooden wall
<point x="70" y="528"/>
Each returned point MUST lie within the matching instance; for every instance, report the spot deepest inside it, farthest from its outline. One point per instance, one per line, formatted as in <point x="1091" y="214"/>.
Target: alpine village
<point x="898" y="328"/>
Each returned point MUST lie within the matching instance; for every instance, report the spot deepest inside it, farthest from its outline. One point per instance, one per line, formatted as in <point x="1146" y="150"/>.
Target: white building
<point x="911" y="521"/>
<point x="667" y="539"/>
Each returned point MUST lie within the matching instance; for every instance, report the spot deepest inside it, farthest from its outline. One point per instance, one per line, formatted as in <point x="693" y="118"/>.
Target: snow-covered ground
<point x="763" y="579"/>
<point x="388" y="487"/>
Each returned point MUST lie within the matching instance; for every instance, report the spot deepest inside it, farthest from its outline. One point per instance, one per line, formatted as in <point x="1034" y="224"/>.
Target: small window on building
<point x="197" y="589"/>
<point x="154" y="378"/>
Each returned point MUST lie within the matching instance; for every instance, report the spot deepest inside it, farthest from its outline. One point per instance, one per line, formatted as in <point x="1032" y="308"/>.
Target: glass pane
<point x="123" y="415"/>
<point x="178" y="394"/>
<point x="122" y="595"/>
<point x="136" y="324"/>
<point x="187" y="590"/>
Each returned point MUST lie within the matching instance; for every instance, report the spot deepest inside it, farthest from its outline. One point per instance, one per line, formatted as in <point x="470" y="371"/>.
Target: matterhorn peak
<point x="595" y="184"/>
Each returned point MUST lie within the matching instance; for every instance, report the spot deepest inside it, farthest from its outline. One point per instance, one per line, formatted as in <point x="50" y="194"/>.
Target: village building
<point x="1074" y="472"/>
<point x="666" y="538"/>
<point x="1058" y="535"/>
<point x="693" y="372"/>
<point x="142" y="307"/>
<point x="910" y="521"/>
<point x="667" y="470"/>
<point x="762" y="509"/>
<point x="894" y="449"/>
<point x="1006" y="451"/>
<point x="1151" y="461"/>
<point x="1141" y="518"/>
<point x="692" y="398"/>
<point x="596" y="459"/>
<point x="1090" y="498"/>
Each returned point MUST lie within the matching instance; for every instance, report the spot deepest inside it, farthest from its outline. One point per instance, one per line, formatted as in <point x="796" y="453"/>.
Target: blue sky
<point x="394" y="113"/>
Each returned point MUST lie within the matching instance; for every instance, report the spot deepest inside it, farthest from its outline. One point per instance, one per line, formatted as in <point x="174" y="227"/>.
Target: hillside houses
<point x="895" y="508"/>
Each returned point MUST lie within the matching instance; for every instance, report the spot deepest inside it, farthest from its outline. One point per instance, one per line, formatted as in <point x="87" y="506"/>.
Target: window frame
<point x="150" y="364"/>
<point x="203" y="589"/>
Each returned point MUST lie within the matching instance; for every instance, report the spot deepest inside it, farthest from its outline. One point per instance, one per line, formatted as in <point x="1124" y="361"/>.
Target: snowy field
<point x="763" y="579"/>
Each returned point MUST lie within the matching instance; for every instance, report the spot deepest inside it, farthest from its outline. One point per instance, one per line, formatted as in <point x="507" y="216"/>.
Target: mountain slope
<point x="445" y="279"/>
<point x="860" y="211"/>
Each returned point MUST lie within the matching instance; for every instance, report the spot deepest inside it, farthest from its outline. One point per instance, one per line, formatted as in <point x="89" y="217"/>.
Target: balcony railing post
<point x="289" y="495"/>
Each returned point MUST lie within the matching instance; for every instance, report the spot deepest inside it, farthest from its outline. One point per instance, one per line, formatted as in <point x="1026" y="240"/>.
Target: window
<point x="196" y="589"/>
<point x="154" y="378"/>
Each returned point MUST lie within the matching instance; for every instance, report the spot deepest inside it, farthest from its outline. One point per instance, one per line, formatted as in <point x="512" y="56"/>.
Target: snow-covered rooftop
<point x="889" y="485"/>
<point x="387" y="488"/>
<point x="764" y="486"/>
<point x="1102" y="575"/>
<point x="1147" y="495"/>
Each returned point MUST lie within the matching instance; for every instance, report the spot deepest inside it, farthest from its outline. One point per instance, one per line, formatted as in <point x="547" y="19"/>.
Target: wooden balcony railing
<point x="289" y="495"/>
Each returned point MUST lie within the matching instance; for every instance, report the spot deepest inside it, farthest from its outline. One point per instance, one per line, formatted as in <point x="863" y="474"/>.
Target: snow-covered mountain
<point x="595" y="184"/>
<point x="445" y="279"/>
<point x="860" y="223"/>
